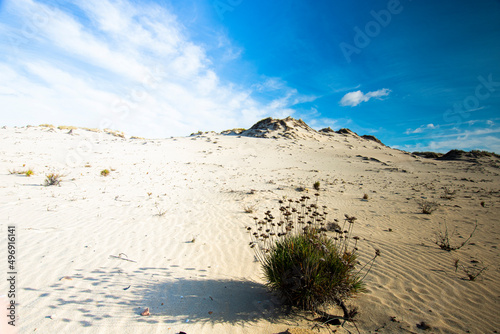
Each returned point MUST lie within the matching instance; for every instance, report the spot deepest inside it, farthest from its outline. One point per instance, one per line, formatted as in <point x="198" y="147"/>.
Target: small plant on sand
<point x="301" y="188"/>
<point x="448" y="193"/>
<point x="316" y="185"/>
<point x="160" y="211"/>
<point x="105" y="172"/>
<point x="427" y="207"/>
<point x="472" y="272"/>
<point x="333" y="226"/>
<point x="301" y="263"/>
<point x="27" y="172"/>
<point x="365" y="197"/>
<point x="53" y="179"/>
<point x="249" y="208"/>
<point x="443" y="239"/>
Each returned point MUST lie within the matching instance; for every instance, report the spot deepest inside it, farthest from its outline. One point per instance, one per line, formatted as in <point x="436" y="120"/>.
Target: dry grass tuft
<point x="53" y="179"/>
<point x="249" y="208"/>
<point x="448" y="193"/>
<point x="115" y="133"/>
<point x="92" y="129"/>
<point x="427" y="207"/>
<point x="67" y="127"/>
<point x="471" y="272"/>
<point x="160" y="211"/>
<point x="443" y="239"/>
<point x="27" y="172"/>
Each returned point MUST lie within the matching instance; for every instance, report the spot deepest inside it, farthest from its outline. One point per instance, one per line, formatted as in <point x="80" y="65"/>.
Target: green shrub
<point x="105" y="172"/>
<point x="307" y="271"/>
<point x="52" y="179"/>
<point x="316" y="185"/>
<point x="301" y="263"/>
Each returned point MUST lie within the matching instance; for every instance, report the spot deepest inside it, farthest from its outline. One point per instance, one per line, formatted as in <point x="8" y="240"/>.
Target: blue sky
<point x="419" y="75"/>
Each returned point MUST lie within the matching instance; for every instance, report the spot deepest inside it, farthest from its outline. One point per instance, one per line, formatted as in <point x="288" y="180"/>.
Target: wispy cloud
<point x="488" y="143"/>
<point x="352" y="99"/>
<point x="422" y="128"/>
<point x="134" y="65"/>
<point x="446" y="138"/>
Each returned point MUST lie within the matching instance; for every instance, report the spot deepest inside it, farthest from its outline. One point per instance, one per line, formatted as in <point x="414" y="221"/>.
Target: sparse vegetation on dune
<point x="53" y="179"/>
<point x="473" y="271"/>
<point x="27" y="172"/>
<point x="443" y="239"/>
<point x="428" y="155"/>
<point x="160" y="211"/>
<point x="91" y="129"/>
<point x="427" y="207"/>
<point x="249" y="208"/>
<point x="67" y="127"/>
<point x="474" y="154"/>
<point x="114" y="133"/>
<point x="448" y="193"/>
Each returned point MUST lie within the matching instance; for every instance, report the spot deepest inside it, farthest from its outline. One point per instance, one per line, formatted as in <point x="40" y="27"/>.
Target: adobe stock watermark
<point x="30" y="29"/>
<point x="223" y="6"/>
<point x="122" y="109"/>
<point x="472" y="102"/>
<point x="363" y="37"/>
<point x="456" y="116"/>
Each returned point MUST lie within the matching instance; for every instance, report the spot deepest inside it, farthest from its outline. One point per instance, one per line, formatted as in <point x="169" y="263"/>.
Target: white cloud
<point x="132" y="64"/>
<point x="421" y="128"/>
<point x="483" y="138"/>
<point x="488" y="143"/>
<point x="270" y="84"/>
<point x="352" y="99"/>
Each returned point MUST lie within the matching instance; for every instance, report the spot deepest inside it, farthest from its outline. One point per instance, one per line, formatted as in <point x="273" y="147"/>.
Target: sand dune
<point x="165" y="230"/>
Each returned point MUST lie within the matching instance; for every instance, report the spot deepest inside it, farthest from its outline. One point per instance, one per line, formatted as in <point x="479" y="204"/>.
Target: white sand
<point x="74" y="240"/>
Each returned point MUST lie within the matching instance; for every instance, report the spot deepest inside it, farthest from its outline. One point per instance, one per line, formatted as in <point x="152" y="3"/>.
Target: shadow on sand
<point x="208" y="300"/>
<point x="112" y="292"/>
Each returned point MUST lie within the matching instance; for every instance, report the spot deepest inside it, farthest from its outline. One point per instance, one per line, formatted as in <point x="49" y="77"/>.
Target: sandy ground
<point x="165" y="230"/>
